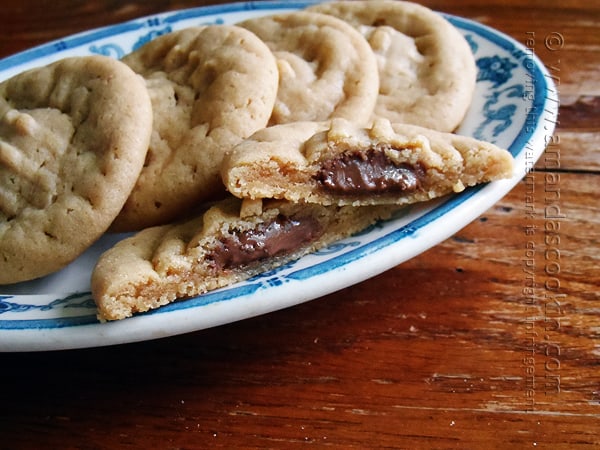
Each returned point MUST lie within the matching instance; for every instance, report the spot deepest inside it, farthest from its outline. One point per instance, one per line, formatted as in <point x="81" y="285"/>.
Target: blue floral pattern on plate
<point x="83" y="300"/>
<point x="513" y="102"/>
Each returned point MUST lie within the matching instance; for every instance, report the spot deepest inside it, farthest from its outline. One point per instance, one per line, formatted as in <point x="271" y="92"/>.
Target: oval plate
<point x="515" y="106"/>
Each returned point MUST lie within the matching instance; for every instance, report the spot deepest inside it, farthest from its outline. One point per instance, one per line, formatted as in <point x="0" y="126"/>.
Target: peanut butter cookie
<point x="340" y="163"/>
<point x="73" y="138"/>
<point x="227" y="244"/>
<point x="210" y="87"/>
<point x="426" y="68"/>
<point x="326" y="67"/>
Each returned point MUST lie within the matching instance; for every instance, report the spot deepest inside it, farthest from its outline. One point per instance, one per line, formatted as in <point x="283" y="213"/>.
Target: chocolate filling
<point x="280" y="236"/>
<point x="368" y="172"/>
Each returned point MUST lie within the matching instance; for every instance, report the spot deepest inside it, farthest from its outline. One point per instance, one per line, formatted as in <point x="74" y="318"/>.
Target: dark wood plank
<point x="488" y="340"/>
<point x="450" y="349"/>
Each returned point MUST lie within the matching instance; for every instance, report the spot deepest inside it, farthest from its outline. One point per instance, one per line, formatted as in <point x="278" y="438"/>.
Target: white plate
<point x="515" y="106"/>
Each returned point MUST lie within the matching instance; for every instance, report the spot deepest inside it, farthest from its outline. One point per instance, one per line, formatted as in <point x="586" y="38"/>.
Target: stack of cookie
<point x="233" y="149"/>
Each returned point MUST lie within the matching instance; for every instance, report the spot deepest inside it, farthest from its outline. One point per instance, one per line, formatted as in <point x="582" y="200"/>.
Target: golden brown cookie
<point x="225" y="245"/>
<point x="426" y="68"/>
<point x="326" y="67"/>
<point x="210" y="88"/>
<point x="73" y="137"/>
<point x="340" y="163"/>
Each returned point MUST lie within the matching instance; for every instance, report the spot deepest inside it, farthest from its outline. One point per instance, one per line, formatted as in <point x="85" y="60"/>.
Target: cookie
<point x="227" y="244"/>
<point x="73" y="138"/>
<point x="427" y="71"/>
<point x="326" y="67"/>
<point x="210" y="87"/>
<point x="341" y="163"/>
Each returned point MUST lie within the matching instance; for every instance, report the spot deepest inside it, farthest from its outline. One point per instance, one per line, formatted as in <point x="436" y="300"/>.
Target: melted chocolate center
<point x="370" y="172"/>
<point x="277" y="237"/>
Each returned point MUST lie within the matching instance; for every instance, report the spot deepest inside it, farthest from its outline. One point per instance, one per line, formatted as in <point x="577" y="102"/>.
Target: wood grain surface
<point x="489" y="340"/>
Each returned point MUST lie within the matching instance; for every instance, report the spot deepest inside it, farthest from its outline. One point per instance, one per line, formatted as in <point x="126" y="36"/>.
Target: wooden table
<point x="448" y="350"/>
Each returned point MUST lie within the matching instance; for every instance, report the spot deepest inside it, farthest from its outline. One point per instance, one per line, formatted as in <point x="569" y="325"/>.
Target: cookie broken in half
<point x="338" y="163"/>
<point x="232" y="241"/>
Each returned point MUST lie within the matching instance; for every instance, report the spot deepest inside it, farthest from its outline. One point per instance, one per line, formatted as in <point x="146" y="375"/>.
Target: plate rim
<point x="547" y="102"/>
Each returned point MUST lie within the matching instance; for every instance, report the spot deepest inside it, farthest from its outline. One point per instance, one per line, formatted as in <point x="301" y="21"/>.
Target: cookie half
<point x="340" y="163"/>
<point x="224" y="245"/>
<point x="427" y="71"/>
<point x="326" y="67"/>
<point x="210" y="88"/>
<point x="73" y="138"/>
